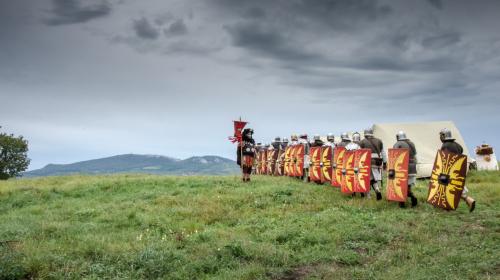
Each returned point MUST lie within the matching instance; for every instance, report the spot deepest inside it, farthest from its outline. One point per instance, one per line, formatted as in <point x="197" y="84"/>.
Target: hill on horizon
<point x="134" y="163"/>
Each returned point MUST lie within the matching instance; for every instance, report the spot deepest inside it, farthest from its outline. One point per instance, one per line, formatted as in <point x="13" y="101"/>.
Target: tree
<point x="13" y="155"/>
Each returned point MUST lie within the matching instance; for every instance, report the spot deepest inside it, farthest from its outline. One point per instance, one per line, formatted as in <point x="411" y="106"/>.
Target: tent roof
<point x="425" y="135"/>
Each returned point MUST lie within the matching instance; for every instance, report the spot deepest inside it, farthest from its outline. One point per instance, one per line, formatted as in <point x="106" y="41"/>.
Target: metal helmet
<point x="401" y="135"/>
<point x="316" y="137"/>
<point x="445" y="134"/>
<point x="277" y="139"/>
<point x="345" y="136"/>
<point x="368" y="132"/>
<point x="294" y="137"/>
<point x="303" y="136"/>
<point x="285" y="140"/>
<point x="356" y="137"/>
<point x="330" y="137"/>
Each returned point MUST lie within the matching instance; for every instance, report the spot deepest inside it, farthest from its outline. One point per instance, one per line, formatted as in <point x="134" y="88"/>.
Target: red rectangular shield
<point x="347" y="185"/>
<point x="271" y="161"/>
<point x="280" y="161"/>
<point x="263" y="166"/>
<point x="326" y="163"/>
<point x="299" y="163"/>
<point x="338" y="162"/>
<point x="397" y="174"/>
<point x="447" y="180"/>
<point x="293" y="160"/>
<point x="315" y="166"/>
<point x="288" y="159"/>
<point x="362" y="170"/>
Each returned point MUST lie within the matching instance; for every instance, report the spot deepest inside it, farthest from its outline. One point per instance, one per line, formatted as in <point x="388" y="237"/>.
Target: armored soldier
<point x="317" y="142"/>
<point x="276" y="143"/>
<point x="344" y="139"/>
<point x="379" y="160"/>
<point x="284" y="144"/>
<point x="330" y="140"/>
<point x="404" y="143"/>
<point x="354" y="145"/>
<point x="449" y="145"/>
<point x="256" y="162"/>
<point x="304" y="140"/>
<point x="247" y="151"/>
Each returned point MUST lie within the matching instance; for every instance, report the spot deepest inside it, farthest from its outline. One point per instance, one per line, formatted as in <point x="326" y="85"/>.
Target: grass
<point x="149" y="227"/>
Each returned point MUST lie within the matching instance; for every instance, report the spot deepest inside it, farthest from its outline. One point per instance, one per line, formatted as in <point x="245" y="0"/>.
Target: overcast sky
<point x="94" y="78"/>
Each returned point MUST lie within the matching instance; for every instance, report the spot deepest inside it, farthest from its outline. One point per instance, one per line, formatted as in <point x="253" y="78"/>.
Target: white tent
<point x="425" y="135"/>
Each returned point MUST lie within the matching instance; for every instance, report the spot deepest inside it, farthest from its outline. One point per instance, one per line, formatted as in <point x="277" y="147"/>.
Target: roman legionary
<point x="247" y="152"/>
<point x="256" y="162"/>
<point x="304" y="140"/>
<point x="404" y="143"/>
<point x="379" y="160"/>
<point x="449" y="145"/>
<point x="276" y="143"/>
<point x="353" y="146"/>
<point x="317" y="142"/>
<point x="284" y="144"/>
<point x="330" y="140"/>
<point x="345" y="139"/>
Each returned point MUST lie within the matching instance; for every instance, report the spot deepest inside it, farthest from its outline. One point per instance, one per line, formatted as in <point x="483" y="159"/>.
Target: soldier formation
<point x="357" y="165"/>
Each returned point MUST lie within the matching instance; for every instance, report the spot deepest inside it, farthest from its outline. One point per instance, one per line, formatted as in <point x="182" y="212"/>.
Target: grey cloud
<point x="442" y="40"/>
<point x="145" y="30"/>
<point x="72" y="11"/>
<point x="176" y="28"/>
<point x="438" y="4"/>
<point x="267" y="43"/>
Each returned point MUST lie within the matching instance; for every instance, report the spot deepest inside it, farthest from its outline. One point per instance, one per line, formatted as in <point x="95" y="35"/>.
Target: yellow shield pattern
<point x="326" y="163"/>
<point x="447" y="180"/>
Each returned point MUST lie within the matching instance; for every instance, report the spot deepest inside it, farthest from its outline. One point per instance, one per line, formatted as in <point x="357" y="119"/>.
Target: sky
<point x="84" y="79"/>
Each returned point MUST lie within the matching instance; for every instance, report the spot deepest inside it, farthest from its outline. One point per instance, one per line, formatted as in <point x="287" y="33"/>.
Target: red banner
<point x="238" y="128"/>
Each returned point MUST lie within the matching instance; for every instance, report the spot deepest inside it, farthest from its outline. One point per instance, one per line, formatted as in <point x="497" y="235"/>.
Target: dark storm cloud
<point x="176" y="28"/>
<point x="260" y="40"/>
<point x="145" y="30"/>
<point x="75" y="11"/>
<point x="438" y="4"/>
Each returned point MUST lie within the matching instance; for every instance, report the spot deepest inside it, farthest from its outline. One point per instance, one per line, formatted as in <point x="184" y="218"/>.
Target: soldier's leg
<point x="469" y="200"/>
<point x="377" y="178"/>
<point x="412" y="180"/>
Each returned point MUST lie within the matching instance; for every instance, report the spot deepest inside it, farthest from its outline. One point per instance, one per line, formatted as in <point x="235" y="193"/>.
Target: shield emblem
<point x="263" y="165"/>
<point x="338" y="162"/>
<point x="270" y="162"/>
<point x="280" y="160"/>
<point x="447" y="180"/>
<point x="347" y="185"/>
<point x="299" y="161"/>
<point x="326" y="163"/>
<point x="293" y="159"/>
<point x="362" y="170"/>
<point x="315" y="167"/>
<point x="397" y="174"/>
<point x="286" y="164"/>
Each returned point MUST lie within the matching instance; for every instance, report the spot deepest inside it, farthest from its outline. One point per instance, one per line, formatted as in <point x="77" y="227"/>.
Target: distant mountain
<point x="132" y="163"/>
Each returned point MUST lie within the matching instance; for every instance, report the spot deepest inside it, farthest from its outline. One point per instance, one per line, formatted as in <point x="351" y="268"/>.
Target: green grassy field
<point x="140" y="226"/>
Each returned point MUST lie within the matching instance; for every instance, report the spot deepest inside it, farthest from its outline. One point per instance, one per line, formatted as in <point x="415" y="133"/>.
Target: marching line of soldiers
<point x="357" y="165"/>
